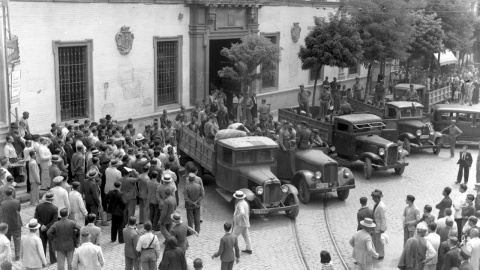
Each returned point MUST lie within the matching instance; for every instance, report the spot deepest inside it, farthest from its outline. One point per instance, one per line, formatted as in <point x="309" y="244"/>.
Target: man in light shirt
<point x="87" y="256"/>
<point x="23" y="126"/>
<point x="112" y="175"/>
<point x="5" y="247"/>
<point x="149" y="248"/>
<point x="441" y="222"/>
<point x="457" y="204"/>
<point x="32" y="254"/>
<point x="411" y="216"/>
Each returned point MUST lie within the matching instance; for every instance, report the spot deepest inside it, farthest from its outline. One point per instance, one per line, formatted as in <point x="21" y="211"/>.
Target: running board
<point x="225" y="194"/>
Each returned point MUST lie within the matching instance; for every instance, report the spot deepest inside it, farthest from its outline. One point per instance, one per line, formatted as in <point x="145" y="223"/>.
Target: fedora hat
<point x="239" y="195"/>
<point x="114" y="162"/>
<point x="367" y="222"/>
<point x="49" y="196"/>
<point x="176" y="218"/>
<point x="192" y="176"/>
<point x="58" y="179"/>
<point x="33" y="224"/>
<point x="139" y="137"/>
<point x="92" y="174"/>
<point x="167" y="177"/>
<point x="95" y="152"/>
<point x="56" y="158"/>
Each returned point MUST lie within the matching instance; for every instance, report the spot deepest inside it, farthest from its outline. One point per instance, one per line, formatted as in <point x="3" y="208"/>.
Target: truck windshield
<point x="359" y="128"/>
<point x="265" y="155"/>
<point x="243" y="157"/>
<point x="410" y="112"/>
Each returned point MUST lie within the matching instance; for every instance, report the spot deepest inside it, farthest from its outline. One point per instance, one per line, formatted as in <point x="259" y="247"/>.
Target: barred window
<point x="167" y="72"/>
<point x="73" y="82"/>
<point x="271" y="82"/>
<point x="353" y="69"/>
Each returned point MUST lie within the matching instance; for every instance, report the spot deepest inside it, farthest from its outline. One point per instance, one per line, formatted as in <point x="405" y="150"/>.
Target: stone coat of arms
<point x="124" y="40"/>
<point x="295" y="31"/>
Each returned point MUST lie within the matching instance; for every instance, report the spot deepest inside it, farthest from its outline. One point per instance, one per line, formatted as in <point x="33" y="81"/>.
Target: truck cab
<point x="407" y="119"/>
<point x="359" y="137"/>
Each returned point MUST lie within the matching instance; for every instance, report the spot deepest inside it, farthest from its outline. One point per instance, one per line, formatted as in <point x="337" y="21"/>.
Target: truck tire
<point x="437" y="147"/>
<point x="343" y="194"/>
<point x="303" y="192"/>
<point x="406" y="145"/>
<point x="292" y="199"/>
<point x="367" y="168"/>
<point x="445" y="142"/>
<point x="400" y="170"/>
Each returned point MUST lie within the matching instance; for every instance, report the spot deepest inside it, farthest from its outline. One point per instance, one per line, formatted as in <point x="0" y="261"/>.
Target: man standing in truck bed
<point x="304" y="99"/>
<point x="304" y="137"/>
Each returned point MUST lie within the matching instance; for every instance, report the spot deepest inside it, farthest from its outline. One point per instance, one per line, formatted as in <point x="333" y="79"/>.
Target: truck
<point x="355" y="137"/>
<point x="270" y="177"/>
<point x="427" y="98"/>
<point x="407" y="123"/>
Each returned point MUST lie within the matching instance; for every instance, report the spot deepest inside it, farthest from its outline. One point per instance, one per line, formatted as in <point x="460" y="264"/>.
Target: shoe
<point x="103" y="224"/>
<point x="17" y="258"/>
<point x="201" y="220"/>
<point x="457" y="182"/>
<point x="247" y="251"/>
<point x="380" y="258"/>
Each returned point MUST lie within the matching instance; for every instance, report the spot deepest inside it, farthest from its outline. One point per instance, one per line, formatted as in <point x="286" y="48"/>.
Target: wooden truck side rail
<point x="438" y="96"/>
<point x="325" y="129"/>
<point x="360" y="106"/>
<point x="198" y="149"/>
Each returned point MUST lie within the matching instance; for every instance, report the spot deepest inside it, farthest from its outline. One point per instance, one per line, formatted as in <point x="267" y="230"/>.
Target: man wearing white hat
<point x="241" y="219"/>
<point x="60" y="195"/>
<point x="363" y="250"/>
<point x="32" y="254"/>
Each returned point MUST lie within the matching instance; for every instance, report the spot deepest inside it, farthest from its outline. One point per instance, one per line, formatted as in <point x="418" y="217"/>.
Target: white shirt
<point x="9" y="151"/>
<point x="441" y="223"/>
<point x="88" y="257"/>
<point x="5" y="249"/>
<point x="26" y="153"/>
<point x="112" y="175"/>
<point x="434" y="240"/>
<point x="60" y="198"/>
<point x="457" y="204"/>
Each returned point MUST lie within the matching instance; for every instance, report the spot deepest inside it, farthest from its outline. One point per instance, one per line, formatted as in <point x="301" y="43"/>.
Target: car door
<point x="465" y="122"/>
<point x="476" y="127"/>
<point x="342" y="139"/>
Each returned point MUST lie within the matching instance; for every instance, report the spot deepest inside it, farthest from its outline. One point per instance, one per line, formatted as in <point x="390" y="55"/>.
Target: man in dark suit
<point x="116" y="205"/>
<point x="78" y="167"/>
<point x="464" y="164"/>
<point x="442" y="250"/>
<point x="445" y="203"/>
<point x="168" y="208"/>
<point x="452" y="258"/>
<point x="46" y="213"/>
<point x="131" y="235"/>
<point x="10" y="214"/>
<point x="92" y="193"/>
<point x="444" y="232"/>
<point x="228" y="250"/>
<point x="364" y="212"/>
<point x="63" y="234"/>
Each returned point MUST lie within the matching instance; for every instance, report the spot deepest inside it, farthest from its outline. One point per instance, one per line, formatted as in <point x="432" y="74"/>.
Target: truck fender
<point x="408" y="135"/>
<point x="345" y="177"/>
<point x="250" y="195"/>
<point x="436" y="135"/>
<point x="372" y="156"/>
<point x="303" y="174"/>
<point x="291" y="190"/>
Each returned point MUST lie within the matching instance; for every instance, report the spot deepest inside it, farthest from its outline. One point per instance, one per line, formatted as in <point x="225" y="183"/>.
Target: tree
<point x="246" y="57"/>
<point x="334" y="43"/>
<point x="386" y="28"/>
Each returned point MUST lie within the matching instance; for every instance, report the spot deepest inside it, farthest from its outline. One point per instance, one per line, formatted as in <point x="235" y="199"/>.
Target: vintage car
<point x="356" y="137"/>
<point x="243" y="163"/>
<point x="405" y="117"/>
<point x="466" y="118"/>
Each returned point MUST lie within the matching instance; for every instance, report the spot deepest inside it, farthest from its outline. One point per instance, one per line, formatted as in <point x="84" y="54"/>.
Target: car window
<point x="264" y="155"/>
<point x="361" y="128"/>
<point x="227" y="155"/>
<point x="243" y="157"/>
<point x="477" y="118"/>
<point x="391" y="113"/>
<point x="410" y="112"/>
<point x="464" y="118"/>
<point x="342" y="127"/>
<point x="447" y="116"/>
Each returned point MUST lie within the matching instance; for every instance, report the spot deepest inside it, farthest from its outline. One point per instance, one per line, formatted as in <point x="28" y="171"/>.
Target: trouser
<point x="459" y="222"/>
<point x="367" y="266"/>
<point x="463" y="171"/>
<point x="304" y="106"/>
<point x="379" y="247"/>
<point x="193" y="217"/>
<point x="132" y="263"/>
<point x="478" y="176"/>
<point x="16" y="234"/>
<point x="407" y="234"/>
<point x="79" y="218"/>
<point x="227" y="265"/>
<point x="141" y="207"/>
<point x="117" y="228"/>
<point x="148" y="259"/>
<point x="27" y="177"/>
<point x="80" y="178"/>
<point x="51" y="252"/>
<point x="237" y="230"/>
<point x="154" y="215"/>
<point x="358" y="95"/>
<point x="130" y="210"/>
<point x="176" y="193"/>
<point x="34" y="194"/>
<point x="62" y="256"/>
<point x="378" y="98"/>
<point x="324" y="109"/>
<point x="92" y="209"/>
<point x="249" y="115"/>
<point x="45" y="175"/>
<point x="165" y="230"/>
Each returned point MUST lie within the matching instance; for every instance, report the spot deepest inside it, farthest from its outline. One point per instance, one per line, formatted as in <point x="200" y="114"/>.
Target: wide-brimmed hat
<point x="368" y="222"/>
<point x="139" y="137"/>
<point x="33" y="224"/>
<point x="176" y="218"/>
<point x="191" y="176"/>
<point x="58" y="179"/>
<point x="95" y="152"/>
<point x="114" y="162"/>
<point x="49" y="196"/>
<point x="85" y="233"/>
<point x="56" y="158"/>
<point x="167" y="177"/>
<point x="239" y="195"/>
<point x="92" y="174"/>
<point x="108" y="117"/>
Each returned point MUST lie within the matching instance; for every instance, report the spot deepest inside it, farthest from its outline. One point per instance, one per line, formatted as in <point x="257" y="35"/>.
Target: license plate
<point x="322" y="185"/>
<point x="424" y="136"/>
<point x="260" y="211"/>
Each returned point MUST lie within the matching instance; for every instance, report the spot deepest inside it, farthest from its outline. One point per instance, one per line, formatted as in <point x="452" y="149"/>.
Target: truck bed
<point x="359" y="106"/>
<point x="291" y="115"/>
<point x="438" y="96"/>
<point x="198" y="149"/>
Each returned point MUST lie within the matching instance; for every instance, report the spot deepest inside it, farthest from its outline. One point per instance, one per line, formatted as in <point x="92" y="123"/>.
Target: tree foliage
<point x="333" y="43"/>
<point x="428" y="35"/>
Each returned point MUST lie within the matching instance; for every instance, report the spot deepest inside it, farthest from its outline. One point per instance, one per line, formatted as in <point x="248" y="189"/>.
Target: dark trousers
<point x="154" y="215"/>
<point x="227" y="265"/>
<point x="193" y="217"/>
<point x="16" y="234"/>
<point x="117" y="228"/>
<point x="28" y="175"/>
<point x="91" y="209"/>
<point x="463" y="170"/>
<point x="51" y="252"/>
<point x="80" y="178"/>
<point x="459" y="227"/>
<point x="132" y="263"/>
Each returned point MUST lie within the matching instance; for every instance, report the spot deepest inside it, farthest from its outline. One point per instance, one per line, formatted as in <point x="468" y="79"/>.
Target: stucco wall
<point x="130" y="78"/>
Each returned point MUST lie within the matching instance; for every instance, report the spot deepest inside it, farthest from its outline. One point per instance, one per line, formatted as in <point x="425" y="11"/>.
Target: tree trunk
<point x="317" y="73"/>
<point x="245" y="96"/>
<point x="367" y="86"/>
<point x="407" y="69"/>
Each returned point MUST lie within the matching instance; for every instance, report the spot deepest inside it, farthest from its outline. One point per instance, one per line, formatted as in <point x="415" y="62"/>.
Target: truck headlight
<point x="400" y="149"/>
<point x="346" y="174"/>
<point x="381" y="151"/>
<point x="284" y="189"/>
<point x="419" y="132"/>
<point x="332" y="148"/>
<point x="318" y="175"/>
<point x="259" y="190"/>
<point x="431" y="132"/>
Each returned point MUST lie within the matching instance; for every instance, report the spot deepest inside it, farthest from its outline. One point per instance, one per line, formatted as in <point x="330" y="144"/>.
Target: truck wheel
<point x="437" y="147"/>
<point x="292" y="199"/>
<point x="303" y="191"/>
<point x="406" y="145"/>
<point x="367" y="168"/>
<point x="445" y="142"/>
<point x="343" y="194"/>
<point x="400" y="171"/>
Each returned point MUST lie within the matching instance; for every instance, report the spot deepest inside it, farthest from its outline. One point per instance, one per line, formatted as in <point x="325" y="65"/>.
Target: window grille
<point x="167" y="72"/>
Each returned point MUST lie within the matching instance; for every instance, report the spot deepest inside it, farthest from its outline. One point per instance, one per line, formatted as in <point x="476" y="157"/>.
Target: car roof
<point x="404" y="104"/>
<point x="407" y="86"/>
<point x="455" y="108"/>
<point x="360" y="118"/>
<point x="250" y="142"/>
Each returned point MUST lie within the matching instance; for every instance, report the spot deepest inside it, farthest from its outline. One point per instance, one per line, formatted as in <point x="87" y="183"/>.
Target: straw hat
<point x="239" y="195"/>
<point x="33" y="224"/>
<point x="368" y="222"/>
